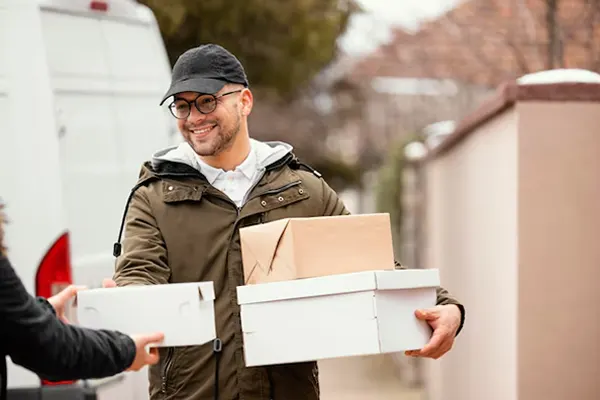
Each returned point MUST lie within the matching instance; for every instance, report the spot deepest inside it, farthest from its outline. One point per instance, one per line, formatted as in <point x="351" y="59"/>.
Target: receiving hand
<point x="445" y="321"/>
<point x="59" y="301"/>
<point x="143" y="356"/>
<point x="108" y="283"/>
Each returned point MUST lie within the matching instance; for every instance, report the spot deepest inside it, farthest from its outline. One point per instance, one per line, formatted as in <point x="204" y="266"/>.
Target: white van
<point x="80" y="84"/>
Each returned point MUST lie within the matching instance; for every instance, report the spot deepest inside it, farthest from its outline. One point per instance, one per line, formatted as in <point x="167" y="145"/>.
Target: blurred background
<point x="434" y="111"/>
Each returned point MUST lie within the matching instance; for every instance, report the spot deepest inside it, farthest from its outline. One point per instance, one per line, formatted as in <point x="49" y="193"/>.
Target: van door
<point x="89" y="143"/>
<point x="107" y="81"/>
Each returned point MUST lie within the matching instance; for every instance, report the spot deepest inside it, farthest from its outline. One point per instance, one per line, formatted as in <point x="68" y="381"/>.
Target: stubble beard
<point x="223" y="141"/>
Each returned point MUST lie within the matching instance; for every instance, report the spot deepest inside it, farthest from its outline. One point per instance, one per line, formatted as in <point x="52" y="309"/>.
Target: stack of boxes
<point x="327" y="287"/>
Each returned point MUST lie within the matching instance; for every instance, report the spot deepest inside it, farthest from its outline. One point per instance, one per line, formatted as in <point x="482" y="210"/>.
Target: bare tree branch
<point x="531" y="27"/>
<point x="470" y="43"/>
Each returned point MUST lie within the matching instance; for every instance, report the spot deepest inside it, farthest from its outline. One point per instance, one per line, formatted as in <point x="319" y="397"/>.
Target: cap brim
<point x="198" y="85"/>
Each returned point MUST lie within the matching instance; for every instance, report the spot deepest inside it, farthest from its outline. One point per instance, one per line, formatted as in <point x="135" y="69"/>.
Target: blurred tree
<point x="555" y="50"/>
<point x="389" y="191"/>
<point x="282" y="44"/>
<point x="304" y="124"/>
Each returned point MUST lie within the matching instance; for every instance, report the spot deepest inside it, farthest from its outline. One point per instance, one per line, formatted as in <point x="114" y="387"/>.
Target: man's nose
<point x="195" y="115"/>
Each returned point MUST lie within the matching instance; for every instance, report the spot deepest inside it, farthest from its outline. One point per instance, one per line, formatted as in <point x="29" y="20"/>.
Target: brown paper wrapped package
<point x="296" y="248"/>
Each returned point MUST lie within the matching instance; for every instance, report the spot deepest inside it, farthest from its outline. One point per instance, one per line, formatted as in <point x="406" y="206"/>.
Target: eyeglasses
<point x="205" y="103"/>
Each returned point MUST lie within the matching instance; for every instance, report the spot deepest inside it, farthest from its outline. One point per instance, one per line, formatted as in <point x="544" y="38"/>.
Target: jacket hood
<point x="266" y="153"/>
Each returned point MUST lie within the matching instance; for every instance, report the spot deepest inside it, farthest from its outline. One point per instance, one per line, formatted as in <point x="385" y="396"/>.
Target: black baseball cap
<point x="205" y="69"/>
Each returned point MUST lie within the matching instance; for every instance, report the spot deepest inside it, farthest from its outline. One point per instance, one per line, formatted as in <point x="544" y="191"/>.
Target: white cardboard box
<point x="184" y="312"/>
<point x="354" y="314"/>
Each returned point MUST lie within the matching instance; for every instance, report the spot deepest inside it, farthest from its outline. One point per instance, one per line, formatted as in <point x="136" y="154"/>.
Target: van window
<point x="75" y="45"/>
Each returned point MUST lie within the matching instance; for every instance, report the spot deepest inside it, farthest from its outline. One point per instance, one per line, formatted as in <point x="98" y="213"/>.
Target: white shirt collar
<point x="248" y="167"/>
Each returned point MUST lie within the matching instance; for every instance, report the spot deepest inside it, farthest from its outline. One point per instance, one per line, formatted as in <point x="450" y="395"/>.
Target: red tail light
<point x="54" y="274"/>
<point x="99" y="6"/>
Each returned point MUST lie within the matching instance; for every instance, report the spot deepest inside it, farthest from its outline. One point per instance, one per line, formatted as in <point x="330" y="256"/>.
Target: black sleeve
<point x="35" y="339"/>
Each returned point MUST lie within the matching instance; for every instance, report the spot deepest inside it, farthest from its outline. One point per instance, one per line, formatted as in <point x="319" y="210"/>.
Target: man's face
<point x="210" y="134"/>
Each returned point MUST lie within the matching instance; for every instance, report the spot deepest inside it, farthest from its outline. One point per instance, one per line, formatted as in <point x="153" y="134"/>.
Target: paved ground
<point x="354" y="378"/>
<point x="364" y="378"/>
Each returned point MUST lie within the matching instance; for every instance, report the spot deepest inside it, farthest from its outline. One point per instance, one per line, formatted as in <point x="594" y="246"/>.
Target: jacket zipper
<point x="168" y="362"/>
<point x="239" y="211"/>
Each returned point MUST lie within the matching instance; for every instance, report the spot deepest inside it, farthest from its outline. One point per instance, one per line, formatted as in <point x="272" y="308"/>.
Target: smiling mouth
<point x="203" y="131"/>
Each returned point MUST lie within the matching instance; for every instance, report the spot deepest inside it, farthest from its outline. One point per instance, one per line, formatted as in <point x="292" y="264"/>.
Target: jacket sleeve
<point x="144" y="255"/>
<point x="333" y="205"/>
<point x="35" y="339"/>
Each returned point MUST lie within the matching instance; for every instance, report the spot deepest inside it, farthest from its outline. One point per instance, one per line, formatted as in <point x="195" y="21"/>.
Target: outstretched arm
<point x="37" y="340"/>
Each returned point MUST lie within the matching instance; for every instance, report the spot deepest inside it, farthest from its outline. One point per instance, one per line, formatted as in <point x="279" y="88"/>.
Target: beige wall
<point x="471" y="237"/>
<point x="514" y="226"/>
<point x="363" y="378"/>
<point x="559" y="251"/>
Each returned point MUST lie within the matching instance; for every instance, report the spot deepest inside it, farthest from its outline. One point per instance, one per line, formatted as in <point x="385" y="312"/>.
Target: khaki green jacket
<point x="178" y="228"/>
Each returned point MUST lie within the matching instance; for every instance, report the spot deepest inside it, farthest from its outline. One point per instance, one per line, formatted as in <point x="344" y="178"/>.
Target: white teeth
<point x="201" y="131"/>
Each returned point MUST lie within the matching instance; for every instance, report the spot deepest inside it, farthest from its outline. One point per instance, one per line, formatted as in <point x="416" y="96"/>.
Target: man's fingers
<point x="152" y="357"/>
<point x="443" y="349"/>
<point x="152" y="354"/>
<point x="438" y="337"/>
<point x="61" y="298"/>
<point x="427" y="315"/>
<point x="153" y="338"/>
<point x="148" y="339"/>
<point x="108" y="283"/>
<point x="70" y="291"/>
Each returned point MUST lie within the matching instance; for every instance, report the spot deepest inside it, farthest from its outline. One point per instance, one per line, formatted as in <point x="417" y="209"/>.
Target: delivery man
<point x="182" y="225"/>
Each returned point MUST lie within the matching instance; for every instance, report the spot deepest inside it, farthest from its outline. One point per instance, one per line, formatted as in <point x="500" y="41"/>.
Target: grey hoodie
<point x="266" y="153"/>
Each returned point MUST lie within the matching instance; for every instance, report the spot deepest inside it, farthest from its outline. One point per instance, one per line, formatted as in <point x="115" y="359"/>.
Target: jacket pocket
<point x="176" y="192"/>
<point x="287" y="201"/>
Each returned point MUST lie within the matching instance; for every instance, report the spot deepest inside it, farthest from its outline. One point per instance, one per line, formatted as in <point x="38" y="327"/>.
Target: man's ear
<point x="247" y="100"/>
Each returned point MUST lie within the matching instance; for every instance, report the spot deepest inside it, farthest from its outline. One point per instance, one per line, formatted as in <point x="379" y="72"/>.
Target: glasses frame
<point x="189" y="103"/>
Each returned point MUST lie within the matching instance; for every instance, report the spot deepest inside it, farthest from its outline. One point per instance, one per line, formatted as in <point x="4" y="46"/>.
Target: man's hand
<point x="143" y="356"/>
<point x="108" y="283"/>
<point x="445" y="321"/>
<point x="59" y="301"/>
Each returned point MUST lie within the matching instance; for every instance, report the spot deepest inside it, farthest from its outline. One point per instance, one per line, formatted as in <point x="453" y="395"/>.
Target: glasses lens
<point x="206" y="104"/>
<point x="180" y="109"/>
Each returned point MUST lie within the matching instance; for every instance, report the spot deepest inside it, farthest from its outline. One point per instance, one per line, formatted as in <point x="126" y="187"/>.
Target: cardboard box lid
<point x="205" y="291"/>
<point x="184" y="312"/>
<point x="335" y="284"/>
